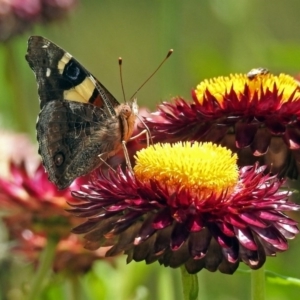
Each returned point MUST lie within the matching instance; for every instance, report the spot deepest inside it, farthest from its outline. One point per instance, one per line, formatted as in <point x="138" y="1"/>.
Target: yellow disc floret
<point x="202" y="168"/>
<point x="220" y="87"/>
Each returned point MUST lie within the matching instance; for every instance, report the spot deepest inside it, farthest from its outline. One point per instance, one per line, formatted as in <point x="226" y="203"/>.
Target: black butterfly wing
<point x="62" y="77"/>
<point x="77" y="121"/>
<point x="71" y="135"/>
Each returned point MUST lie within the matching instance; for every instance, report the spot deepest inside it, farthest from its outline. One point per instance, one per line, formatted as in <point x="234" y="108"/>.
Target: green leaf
<point x="281" y="279"/>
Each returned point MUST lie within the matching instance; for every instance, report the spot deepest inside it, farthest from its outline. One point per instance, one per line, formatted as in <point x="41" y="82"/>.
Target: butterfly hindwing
<point x="71" y="135"/>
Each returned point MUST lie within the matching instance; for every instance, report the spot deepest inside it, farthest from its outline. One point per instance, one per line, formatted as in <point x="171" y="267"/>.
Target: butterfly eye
<point x="59" y="159"/>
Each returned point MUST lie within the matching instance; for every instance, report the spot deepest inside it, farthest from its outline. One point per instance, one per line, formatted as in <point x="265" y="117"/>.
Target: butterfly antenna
<point x="168" y="55"/>
<point x="121" y="77"/>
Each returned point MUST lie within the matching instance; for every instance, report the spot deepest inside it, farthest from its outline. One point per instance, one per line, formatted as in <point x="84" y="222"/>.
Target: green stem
<point x="45" y="265"/>
<point x="189" y="285"/>
<point x="74" y="287"/>
<point x="258" y="284"/>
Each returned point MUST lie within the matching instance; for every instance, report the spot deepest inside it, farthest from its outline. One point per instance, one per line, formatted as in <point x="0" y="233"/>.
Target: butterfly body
<point x="79" y="119"/>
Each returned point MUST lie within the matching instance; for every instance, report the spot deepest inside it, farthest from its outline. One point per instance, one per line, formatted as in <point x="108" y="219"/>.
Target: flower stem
<point x="258" y="284"/>
<point x="45" y="263"/>
<point x="75" y="287"/>
<point x="189" y="285"/>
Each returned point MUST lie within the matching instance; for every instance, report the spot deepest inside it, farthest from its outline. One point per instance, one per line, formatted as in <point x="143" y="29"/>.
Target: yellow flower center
<point x="201" y="168"/>
<point x="219" y="86"/>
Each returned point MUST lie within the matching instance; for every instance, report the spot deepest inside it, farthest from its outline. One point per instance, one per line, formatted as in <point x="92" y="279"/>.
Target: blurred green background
<point x="209" y="38"/>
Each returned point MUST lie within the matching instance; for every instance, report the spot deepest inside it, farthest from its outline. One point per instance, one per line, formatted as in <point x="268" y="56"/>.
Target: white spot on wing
<point x="48" y="72"/>
<point x="46" y="45"/>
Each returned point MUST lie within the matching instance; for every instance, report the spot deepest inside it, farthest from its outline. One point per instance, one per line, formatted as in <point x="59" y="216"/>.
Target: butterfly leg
<point x="127" y="159"/>
<point x="148" y="137"/>
<point x="145" y="131"/>
<point x="104" y="162"/>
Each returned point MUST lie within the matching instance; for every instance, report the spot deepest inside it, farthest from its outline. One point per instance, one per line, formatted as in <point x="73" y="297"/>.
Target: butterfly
<point x="80" y="124"/>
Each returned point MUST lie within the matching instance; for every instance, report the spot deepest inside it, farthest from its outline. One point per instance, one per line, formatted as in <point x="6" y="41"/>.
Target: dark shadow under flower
<point x="187" y="204"/>
<point x="257" y="117"/>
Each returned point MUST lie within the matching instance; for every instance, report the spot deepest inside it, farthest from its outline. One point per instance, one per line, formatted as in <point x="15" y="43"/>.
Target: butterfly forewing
<point x="62" y="77"/>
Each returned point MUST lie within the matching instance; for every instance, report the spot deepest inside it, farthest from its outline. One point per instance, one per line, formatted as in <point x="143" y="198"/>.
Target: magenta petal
<point x="199" y="243"/>
<point x="136" y="202"/>
<point x="251" y="219"/>
<point x="146" y="231"/>
<point x="261" y="142"/>
<point x="235" y="221"/>
<point x="101" y="229"/>
<point x="228" y="267"/>
<point x="222" y="239"/>
<point x="245" y="238"/>
<point x="194" y="223"/>
<point x="177" y="258"/>
<point x="143" y="250"/>
<point x="194" y="266"/>
<point x="244" y="134"/>
<point x="162" y="241"/>
<point x="254" y="259"/>
<point x="231" y="254"/>
<point x="287" y="234"/>
<point x="124" y="241"/>
<point x="226" y="228"/>
<point x="292" y="138"/>
<point x="179" y="236"/>
<point x="213" y="257"/>
<point x="119" y="207"/>
<point x="125" y="222"/>
<point x="272" y="236"/>
<point x="13" y="191"/>
<point x="289" y="230"/>
<point x="271" y="215"/>
<point x="89" y="211"/>
<point x="162" y="219"/>
<point x="85" y="227"/>
<point x="19" y="172"/>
